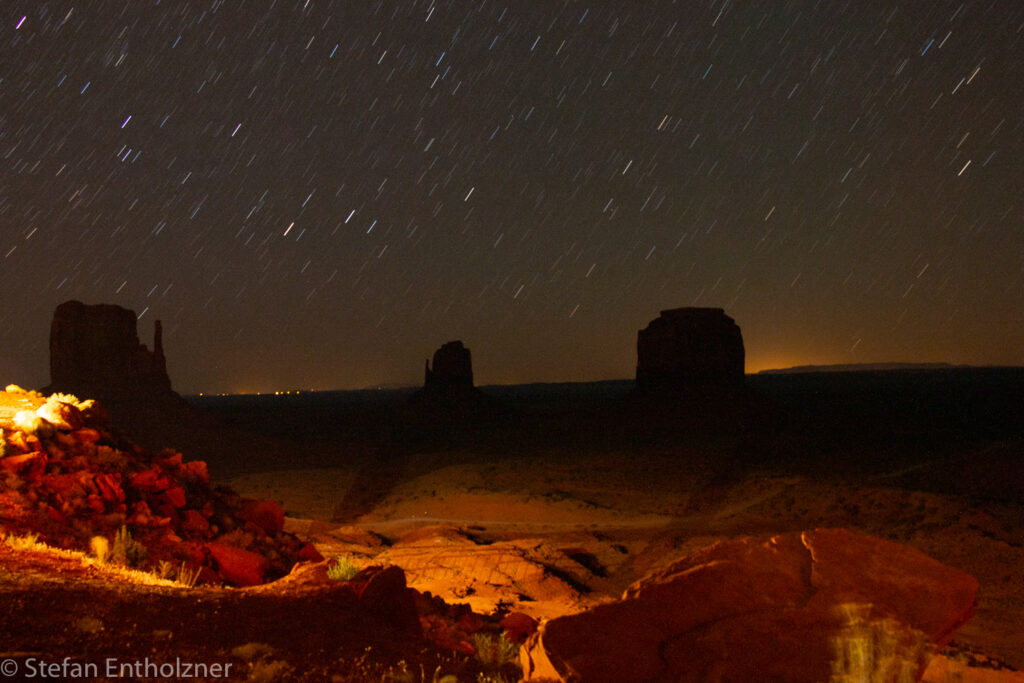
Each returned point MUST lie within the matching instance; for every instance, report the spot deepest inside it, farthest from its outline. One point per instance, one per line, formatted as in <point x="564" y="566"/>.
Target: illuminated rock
<point x="75" y="481"/>
<point x="690" y="351"/>
<point x="265" y="514"/>
<point x="60" y="414"/>
<point x="238" y="566"/>
<point x="809" y="606"/>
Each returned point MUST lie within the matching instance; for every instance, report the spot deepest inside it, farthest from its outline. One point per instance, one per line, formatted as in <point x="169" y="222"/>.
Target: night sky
<point x="318" y="194"/>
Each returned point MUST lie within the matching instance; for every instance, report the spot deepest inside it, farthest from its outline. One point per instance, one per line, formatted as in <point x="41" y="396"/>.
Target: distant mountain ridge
<point x="860" y="367"/>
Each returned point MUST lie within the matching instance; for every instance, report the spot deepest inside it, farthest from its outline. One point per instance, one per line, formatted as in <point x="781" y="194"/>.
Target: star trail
<point x="318" y="194"/>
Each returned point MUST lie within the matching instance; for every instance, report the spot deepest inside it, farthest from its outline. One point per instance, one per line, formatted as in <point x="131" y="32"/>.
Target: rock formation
<point x="452" y="372"/>
<point x="827" y="604"/>
<point x="448" y="385"/>
<point x="95" y="350"/>
<point x="690" y="351"/>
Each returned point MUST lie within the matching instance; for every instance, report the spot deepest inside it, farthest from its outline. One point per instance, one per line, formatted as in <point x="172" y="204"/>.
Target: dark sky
<point x="318" y="194"/>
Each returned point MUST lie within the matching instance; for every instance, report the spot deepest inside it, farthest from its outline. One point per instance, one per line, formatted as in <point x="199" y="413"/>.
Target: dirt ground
<point x="556" y="502"/>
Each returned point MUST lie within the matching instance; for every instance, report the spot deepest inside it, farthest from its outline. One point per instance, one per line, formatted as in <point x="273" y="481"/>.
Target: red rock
<point x="109" y="486"/>
<point x="28" y="465"/>
<point x="308" y="553"/>
<point x="168" y="511"/>
<point x="95" y="503"/>
<point x="16" y="439"/>
<point x="194" y="523"/>
<point x="141" y="514"/>
<point x="176" y="496"/>
<point x="266" y="514"/>
<point x="66" y="484"/>
<point x="172" y="461"/>
<point x="385" y="596"/>
<point x="238" y="566"/>
<point x="145" y="480"/>
<point x="55" y="515"/>
<point x="196" y="470"/>
<point x="63" y="416"/>
<point x="93" y="413"/>
<point x="470" y="622"/>
<point x="850" y="567"/>
<point x="518" y="626"/>
<point x="441" y="632"/>
<point x="86" y="435"/>
<point x="759" y="609"/>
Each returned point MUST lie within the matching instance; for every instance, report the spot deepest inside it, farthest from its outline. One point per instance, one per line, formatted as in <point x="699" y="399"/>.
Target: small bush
<point x="126" y="550"/>
<point x="100" y="547"/>
<point x="876" y="650"/>
<point x="342" y="568"/>
<point x="181" y="574"/>
<point x="27" y="542"/>
<point x="495" y="652"/>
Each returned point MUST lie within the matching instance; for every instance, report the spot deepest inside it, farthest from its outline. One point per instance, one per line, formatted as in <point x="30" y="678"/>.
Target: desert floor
<point x="548" y="499"/>
<point x="554" y="501"/>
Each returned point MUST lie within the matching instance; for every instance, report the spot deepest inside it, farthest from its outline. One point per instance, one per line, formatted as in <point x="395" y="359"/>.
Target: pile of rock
<point x="67" y="478"/>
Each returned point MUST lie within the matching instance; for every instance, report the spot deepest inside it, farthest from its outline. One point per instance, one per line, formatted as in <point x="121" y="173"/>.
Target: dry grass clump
<point x="342" y="568"/>
<point x="876" y="650"/>
<point x="183" y="577"/>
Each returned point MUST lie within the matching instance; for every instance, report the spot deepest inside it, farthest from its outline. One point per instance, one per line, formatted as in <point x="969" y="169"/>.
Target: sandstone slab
<point x="794" y="607"/>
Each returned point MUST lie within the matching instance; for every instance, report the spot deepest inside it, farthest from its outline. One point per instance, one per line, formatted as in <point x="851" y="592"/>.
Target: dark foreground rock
<point x="815" y="606"/>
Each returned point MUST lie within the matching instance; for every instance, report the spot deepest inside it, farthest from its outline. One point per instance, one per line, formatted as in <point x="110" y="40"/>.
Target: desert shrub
<point x="342" y="568"/>
<point x="495" y="651"/>
<point x="27" y="542"/>
<point x="126" y="550"/>
<point x="494" y="677"/>
<point x="181" y="574"/>
<point x="100" y="547"/>
<point x="876" y="650"/>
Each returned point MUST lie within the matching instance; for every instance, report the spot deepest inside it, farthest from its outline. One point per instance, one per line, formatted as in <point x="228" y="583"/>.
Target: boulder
<point x="385" y="597"/>
<point x="690" y="351"/>
<point x="237" y="565"/>
<point x="518" y="626"/>
<point x="265" y="514"/>
<point x="62" y="415"/>
<point x="796" y="607"/>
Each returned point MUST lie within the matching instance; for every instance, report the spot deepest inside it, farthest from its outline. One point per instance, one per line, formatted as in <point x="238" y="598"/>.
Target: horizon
<point x="796" y="369"/>
<point x="322" y="195"/>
